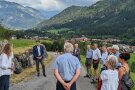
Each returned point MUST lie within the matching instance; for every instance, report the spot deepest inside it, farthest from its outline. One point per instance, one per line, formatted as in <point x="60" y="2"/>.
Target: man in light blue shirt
<point x="67" y="69"/>
<point x="115" y="50"/>
<point x="104" y="58"/>
<point x="104" y="55"/>
<point x="88" y="62"/>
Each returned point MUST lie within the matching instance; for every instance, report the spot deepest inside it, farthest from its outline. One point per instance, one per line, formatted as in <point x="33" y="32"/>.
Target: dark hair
<point x="7" y="49"/>
<point x="125" y="56"/>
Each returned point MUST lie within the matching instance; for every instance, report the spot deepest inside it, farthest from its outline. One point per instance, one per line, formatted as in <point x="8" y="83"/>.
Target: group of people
<point x="114" y="69"/>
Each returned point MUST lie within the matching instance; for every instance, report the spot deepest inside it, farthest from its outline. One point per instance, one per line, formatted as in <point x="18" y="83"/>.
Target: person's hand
<point x="38" y="57"/>
<point x="69" y="86"/>
<point x="65" y="85"/>
<point x="12" y="69"/>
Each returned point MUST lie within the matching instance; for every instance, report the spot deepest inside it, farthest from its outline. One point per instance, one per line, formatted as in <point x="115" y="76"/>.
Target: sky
<point x="53" y="5"/>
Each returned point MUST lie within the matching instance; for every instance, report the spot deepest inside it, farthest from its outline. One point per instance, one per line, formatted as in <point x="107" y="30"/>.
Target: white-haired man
<point x="67" y="69"/>
<point x="104" y="58"/>
<point x="115" y="51"/>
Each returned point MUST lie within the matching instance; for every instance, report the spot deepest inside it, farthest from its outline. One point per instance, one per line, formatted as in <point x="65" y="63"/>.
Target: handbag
<point x="129" y="83"/>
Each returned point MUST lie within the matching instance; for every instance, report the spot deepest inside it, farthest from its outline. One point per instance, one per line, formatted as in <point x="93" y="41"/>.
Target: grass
<point x="22" y="45"/>
<point x="55" y="31"/>
<point x="27" y="73"/>
<point x="132" y="59"/>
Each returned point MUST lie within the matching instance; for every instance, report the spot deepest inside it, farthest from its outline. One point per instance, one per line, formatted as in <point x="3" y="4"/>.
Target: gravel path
<point x="48" y="83"/>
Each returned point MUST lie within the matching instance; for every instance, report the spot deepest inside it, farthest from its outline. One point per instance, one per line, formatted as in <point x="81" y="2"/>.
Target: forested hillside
<point x="4" y="33"/>
<point x="106" y="17"/>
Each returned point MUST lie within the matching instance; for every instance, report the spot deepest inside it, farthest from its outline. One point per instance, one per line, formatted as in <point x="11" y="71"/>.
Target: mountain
<point x="106" y="17"/>
<point x="16" y="16"/>
<point x="48" y="14"/>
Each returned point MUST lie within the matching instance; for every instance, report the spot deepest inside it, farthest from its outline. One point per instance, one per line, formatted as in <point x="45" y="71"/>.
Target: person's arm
<point x="43" y="51"/>
<point x="56" y="72"/>
<point x="76" y="76"/>
<point x="3" y="65"/>
<point x="58" y="77"/>
<point x="34" y="51"/>
<point x="121" y="72"/>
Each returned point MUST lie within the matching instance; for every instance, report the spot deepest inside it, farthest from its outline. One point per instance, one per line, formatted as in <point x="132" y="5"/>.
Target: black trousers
<point x="42" y="64"/>
<point x="4" y="82"/>
<point x="59" y="86"/>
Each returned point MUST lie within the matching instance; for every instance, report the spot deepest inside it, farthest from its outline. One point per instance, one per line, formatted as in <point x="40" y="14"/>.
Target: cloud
<point x="53" y="5"/>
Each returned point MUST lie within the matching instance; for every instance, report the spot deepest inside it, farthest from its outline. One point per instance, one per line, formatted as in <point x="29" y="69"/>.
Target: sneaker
<point x="90" y="76"/>
<point x="86" y="76"/>
<point x="93" y="81"/>
<point x="38" y="74"/>
<point x="44" y="75"/>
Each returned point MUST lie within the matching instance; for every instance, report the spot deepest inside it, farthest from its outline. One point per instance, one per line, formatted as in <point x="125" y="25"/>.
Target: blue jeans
<point x="4" y="82"/>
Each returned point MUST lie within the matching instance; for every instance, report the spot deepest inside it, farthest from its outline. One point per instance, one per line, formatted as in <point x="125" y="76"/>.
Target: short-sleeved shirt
<point x="96" y="54"/>
<point x="109" y="79"/>
<point x="117" y="55"/>
<point x="67" y="64"/>
<point x="104" y="57"/>
<point x="89" y="53"/>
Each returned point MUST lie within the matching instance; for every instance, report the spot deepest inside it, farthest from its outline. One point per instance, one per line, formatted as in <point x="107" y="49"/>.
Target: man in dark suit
<point x="38" y="56"/>
<point x="76" y="51"/>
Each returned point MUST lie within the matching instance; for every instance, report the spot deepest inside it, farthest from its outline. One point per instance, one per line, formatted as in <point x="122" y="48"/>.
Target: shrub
<point x="133" y="67"/>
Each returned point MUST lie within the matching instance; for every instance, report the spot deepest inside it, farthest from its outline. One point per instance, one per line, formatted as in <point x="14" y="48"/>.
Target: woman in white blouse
<point x="6" y="67"/>
<point x="109" y="78"/>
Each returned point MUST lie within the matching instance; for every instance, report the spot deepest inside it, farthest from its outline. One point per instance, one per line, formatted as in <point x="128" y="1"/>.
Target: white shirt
<point x="96" y="54"/>
<point x="109" y="80"/>
<point x="104" y="57"/>
<point x="39" y="53"/>
<point x="5" y="63"/>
